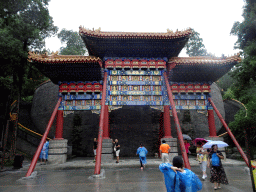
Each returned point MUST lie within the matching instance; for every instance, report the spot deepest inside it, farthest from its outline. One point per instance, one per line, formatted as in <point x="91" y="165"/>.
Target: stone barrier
<point x="57" y="151"/>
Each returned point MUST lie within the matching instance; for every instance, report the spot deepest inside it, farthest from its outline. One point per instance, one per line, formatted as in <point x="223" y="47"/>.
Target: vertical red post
<point x="167" y="122"/>
<point x="211" y="123"/>
<point x="106" y="124"/>
<point x="176" y="120"/>
<point x="35" y="158"/>
<point x="229" y="132"/>
<point x="101" y="126"/>
<point x="59" y="125"/>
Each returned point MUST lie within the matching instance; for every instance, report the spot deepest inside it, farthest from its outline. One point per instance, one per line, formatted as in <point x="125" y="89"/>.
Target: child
<point x="177" y="178"/>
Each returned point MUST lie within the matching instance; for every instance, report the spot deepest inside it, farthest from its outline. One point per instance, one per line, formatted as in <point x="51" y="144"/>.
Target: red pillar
<point x="176" y="120"/>
<point x="38" y="151"/>
<point x="106" y="124"/>
<point x="59" y="125"/>
<point x="211" y="123"/>
<point x="229" y="132"/>
<point x="167" y="122"/>
<point x="101" y="126"/>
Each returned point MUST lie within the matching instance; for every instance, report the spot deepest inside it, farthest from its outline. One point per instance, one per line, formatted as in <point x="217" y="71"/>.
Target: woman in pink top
<point x="187" y="145"/>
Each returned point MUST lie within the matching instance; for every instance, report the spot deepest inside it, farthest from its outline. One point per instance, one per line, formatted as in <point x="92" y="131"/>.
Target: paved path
<point x="76" y="175"/>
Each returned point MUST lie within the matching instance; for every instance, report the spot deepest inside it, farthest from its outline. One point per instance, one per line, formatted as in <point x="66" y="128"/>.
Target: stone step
<point x="58" y="151"/>
<point x="107" y="150"/>
<point x="58" y="143"/>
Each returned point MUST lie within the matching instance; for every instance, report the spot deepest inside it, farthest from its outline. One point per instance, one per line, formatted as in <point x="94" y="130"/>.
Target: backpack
<point x="142" y="153"/>
<point x="215" y="160"/>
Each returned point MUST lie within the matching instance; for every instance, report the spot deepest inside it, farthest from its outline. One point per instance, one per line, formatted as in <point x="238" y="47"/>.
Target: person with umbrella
<point x="218" y="175"/>
<point x="203" y="158"/>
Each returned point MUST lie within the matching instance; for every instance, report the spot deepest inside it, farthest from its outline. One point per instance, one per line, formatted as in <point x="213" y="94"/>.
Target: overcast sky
<point x="212" y="19"/>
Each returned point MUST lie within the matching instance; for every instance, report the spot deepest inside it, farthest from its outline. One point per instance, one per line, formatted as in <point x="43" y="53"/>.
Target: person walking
<point x="179" y="179"/>
<point x="116" y="149"/>
<point x="95" y="143"/>
<point x="187" y="145"/>
<point x="142" y="152"/>
<point x="44" y="152"/>
<point x="164" y="152"/>
<point x="218" y="175"/>
<point x="203" y="158"/>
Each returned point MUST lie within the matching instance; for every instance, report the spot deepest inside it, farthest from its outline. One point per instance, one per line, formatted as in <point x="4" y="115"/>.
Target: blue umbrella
<point x="220" y="144"/>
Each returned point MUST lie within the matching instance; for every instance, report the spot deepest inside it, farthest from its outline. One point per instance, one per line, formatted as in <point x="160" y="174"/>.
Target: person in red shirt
<point x="187" y="145"/>
<point x="164" y="152"/>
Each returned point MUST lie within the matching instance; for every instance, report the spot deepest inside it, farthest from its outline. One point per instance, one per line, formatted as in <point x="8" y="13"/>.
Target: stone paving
<point x="77" y="175"/>
<point x="77" y="163"/>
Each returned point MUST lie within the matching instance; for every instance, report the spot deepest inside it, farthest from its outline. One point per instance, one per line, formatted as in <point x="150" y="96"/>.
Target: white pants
<point x="203" y="166"/>
<point x="165" y="158"/>
<point x="117" y="153"/>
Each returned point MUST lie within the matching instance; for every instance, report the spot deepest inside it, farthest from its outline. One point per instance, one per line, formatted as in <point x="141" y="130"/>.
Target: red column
<point x="59" y="125"/>
<point x="167" y="122"/>
<point x="38" y="151"/>
<point x="106" y="124"/>
<point x="229" y="132"/>
<point x="176" y="120"/>
<point x="211" y="123"/>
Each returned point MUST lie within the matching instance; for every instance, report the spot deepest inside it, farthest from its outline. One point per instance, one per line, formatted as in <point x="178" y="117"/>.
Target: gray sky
<point x="212" y="19"/>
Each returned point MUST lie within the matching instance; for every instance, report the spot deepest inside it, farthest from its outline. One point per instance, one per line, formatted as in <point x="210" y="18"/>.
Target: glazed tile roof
<point x="200" y="69"/>
<point x="168" y="35"/>
<point x="205" y="60"/>
<point x="55" y="58"/>
<point x="68" y="67"/>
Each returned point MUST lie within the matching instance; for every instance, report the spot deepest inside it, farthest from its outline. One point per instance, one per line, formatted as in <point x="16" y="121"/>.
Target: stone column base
<point x="222" y="150"/>
<point x="57" y="151"/>
<point x="107" y="151"/>
<point x="172" y="142"/>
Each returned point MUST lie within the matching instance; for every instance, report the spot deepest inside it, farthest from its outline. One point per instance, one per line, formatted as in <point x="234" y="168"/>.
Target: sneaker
<point x="203" y="177"/>
<point x="117" y="162"/>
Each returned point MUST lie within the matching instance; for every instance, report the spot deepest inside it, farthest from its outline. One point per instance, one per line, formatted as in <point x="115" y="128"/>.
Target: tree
<point x="195" y="46"/>
<point x="74" y="43"/>
<point x="24" y="24"/>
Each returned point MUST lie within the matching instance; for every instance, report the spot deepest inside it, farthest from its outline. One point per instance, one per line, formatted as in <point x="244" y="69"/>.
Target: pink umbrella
<point x="199" y="139"/>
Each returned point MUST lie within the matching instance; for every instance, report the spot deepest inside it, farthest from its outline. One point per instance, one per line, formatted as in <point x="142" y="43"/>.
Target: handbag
<point x="115" y="148"/>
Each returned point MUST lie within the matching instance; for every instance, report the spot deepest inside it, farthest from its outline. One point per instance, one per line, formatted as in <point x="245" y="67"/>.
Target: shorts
<point x="203" y="166"/>
<point x="117" y="153"/>
<point x="165" y="158"/>
<point x="94" y="150"/>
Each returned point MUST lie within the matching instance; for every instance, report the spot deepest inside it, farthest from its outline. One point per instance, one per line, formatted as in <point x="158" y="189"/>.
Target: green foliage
<point x="195" y="46"/>
<point x="74" y="43"/>
<point x="225" y="82"/>
<point x="229" y="94"/>
<point x="245" y="120"/>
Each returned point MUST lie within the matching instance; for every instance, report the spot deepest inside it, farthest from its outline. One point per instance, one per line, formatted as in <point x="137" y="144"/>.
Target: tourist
<point x="164" y="152"/>
<point x="218" y="174"/>
<point x="187" y="145"/>
<point x="44" y="152"/>
<point x="179" y="179"/>
<point x="142" y="152"/>
<point x="198" y="151"/>
<point x="116" y="149"/>
<point x="203" y="158"/>
<point x="95" y="143"/>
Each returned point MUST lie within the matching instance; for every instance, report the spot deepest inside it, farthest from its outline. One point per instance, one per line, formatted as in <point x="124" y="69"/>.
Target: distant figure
<point x="187" y="145"/>
<point x="44" y="153"/>
<point x="142" y="152"/>
<point x="179" y="179"/>
<point x="164" y="152"/>
<point x="95" y="143"/>
<point x="203" y="158"/>
<point x="116" y="149"/>
<point x="218" y="174"/>
<point x="198" y="151"/>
